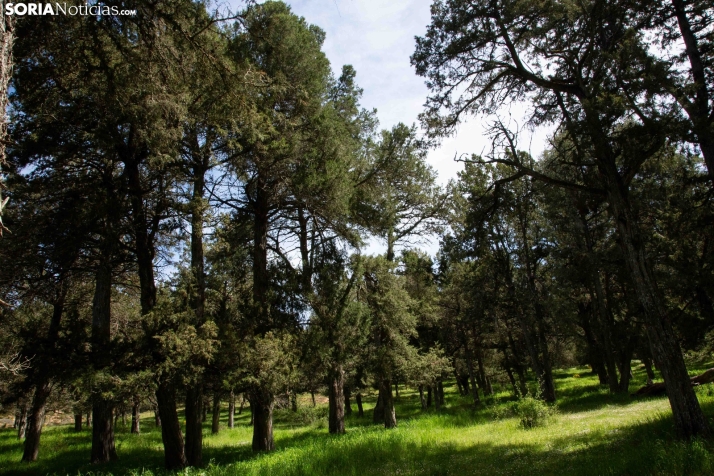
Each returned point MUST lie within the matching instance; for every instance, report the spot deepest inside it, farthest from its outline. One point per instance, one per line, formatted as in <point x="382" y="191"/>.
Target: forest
<point x="187" y="283"/>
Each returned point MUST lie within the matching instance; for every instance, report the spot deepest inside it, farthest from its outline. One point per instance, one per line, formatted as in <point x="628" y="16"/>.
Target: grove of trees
<point x="190" y="193"/>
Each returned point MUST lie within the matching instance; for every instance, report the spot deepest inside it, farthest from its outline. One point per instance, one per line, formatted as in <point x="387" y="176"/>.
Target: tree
<point x="7" y="38"/>
<point x="484" y="45"/>
<point x="393" y="324"/>
<point x="339" y="326"/>
<point x="397" y="196"/>
<point x="291" y="169"/>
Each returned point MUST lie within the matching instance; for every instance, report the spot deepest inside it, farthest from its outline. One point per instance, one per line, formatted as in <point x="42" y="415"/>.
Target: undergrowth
<point x="588" y="432"/>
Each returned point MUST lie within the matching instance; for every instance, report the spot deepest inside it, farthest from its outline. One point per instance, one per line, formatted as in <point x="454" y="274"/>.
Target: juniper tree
<point x="393" y="324"/>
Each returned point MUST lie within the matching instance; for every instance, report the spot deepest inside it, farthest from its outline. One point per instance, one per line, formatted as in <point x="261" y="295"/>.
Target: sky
<point x="377" y="38"/>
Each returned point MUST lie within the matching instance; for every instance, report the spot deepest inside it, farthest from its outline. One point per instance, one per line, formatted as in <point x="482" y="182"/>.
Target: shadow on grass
<point x="635" y="450"/>
<point x="644" y="448"/>
<point x="64" y="451"/>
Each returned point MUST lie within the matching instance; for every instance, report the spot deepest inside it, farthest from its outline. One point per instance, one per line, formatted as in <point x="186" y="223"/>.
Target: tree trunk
<point x="195" y="409"/>
<point x="472" y="375"/>
<point x="422" y="398"/>
<point x="35" y="421"/>
<point x="428" y="396"/>
<point x="440" y="391"/>
<point x="77" y="422"/>
<point x="242" y="403"/>
<point x="534" y="333"/>
<point x="144" y="247"/>
<point x="348" y="402"/>
<point x="378" y="412"/>
<point x="157" y="417"/>
<point x="625" y="374"/>
<point x="261" y="279"/>
<point x="360" y="409"/>
<point x="261" y="404"/>
<point x="465" y="386"/>
<point x="312" y="394"/>
<point x="135" y="415"/>
<point x="7" y="38"/>
<point x="174" y="451"/>
<point x="200" y="157"/>
<point x="216" y="414"/>
<point x="626" y="361"/>
<point x="231" y="410"/>
<point x="547" y="383"/>
<point x="36" y="417"/>
<point x="689" y="420"/>
<point x="487" y="390"/>
<point x="89" y="419"/>
<point x="22" y="421"/>
<point x="697" y="109"/>
<point x="595" y="352"/>
<point x="605" y="333"/>
<point x="518" y="366"/>
<point x="512" y="379"/>
<point x="103" y="449"/>
<point x="390" y="416"/>
<point x="648" y="369"/>
<point x="336" y="402"/>
<point x="597" y="296"/>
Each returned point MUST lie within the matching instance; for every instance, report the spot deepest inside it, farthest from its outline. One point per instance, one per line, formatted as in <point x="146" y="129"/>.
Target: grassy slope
<point x="593" y="433"/>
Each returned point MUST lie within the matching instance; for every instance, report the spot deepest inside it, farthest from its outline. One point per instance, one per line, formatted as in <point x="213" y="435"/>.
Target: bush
<point x="304" y="416"/>
<point x="499" y="412"/>
<point x="532" y="412"/>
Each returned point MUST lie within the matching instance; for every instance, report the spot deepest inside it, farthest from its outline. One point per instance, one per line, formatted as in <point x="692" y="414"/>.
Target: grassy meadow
<point x="590" y="433"/>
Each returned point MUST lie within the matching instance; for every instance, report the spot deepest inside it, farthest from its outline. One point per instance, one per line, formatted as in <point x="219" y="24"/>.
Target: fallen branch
<point x="658" y="388"/>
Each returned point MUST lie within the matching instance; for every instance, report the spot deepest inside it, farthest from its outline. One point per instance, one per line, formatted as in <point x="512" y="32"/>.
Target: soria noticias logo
<point x="22" y="9"/>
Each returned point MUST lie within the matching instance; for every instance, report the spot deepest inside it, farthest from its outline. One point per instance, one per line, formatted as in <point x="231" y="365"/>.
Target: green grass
<point x="591" y="433"/>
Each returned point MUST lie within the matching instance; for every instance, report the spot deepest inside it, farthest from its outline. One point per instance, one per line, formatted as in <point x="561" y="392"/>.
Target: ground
<point x="591" y="433"/>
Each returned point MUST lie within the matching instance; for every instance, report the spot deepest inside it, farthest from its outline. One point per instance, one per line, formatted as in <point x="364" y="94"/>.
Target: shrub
<point x="532" y="412"/>
<point x="304" y="416"/>
<point x="499" y="412"/>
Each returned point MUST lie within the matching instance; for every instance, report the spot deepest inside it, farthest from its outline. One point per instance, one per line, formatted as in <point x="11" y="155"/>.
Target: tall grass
<point x="592" y="433"/>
